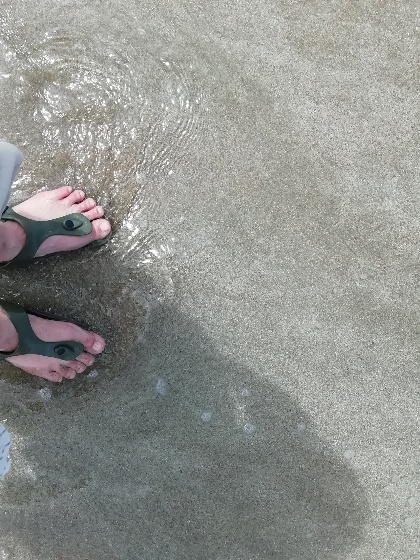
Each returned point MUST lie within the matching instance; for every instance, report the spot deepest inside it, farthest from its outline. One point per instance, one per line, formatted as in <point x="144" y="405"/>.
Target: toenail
<point x="97" y="347"/>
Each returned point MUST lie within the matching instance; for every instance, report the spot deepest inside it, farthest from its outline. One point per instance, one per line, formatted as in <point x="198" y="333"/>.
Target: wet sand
<point x="258" y="398"/>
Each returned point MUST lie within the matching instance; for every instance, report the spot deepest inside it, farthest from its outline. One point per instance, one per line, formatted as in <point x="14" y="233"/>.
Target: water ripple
<point x="113" y="115"/>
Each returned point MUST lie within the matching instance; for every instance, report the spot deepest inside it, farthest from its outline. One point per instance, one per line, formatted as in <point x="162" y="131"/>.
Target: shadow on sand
<point x="174" y="451"/>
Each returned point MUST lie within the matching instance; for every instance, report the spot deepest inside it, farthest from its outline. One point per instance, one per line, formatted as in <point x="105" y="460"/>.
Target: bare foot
<point x="48" y="205"/>
<point x="47" y="330"/>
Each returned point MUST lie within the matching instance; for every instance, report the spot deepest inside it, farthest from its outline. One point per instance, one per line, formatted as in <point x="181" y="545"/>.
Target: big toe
<point x="100" y="228"/>
<point x="94" y="344"/>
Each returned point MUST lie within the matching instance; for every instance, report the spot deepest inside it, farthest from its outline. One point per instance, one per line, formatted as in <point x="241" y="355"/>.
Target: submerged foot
<point x="48" y="205"/>
<point x="48" y="330"/>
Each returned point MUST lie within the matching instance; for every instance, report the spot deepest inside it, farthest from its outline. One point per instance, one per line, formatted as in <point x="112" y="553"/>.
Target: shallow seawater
<point x="241" y="295"/>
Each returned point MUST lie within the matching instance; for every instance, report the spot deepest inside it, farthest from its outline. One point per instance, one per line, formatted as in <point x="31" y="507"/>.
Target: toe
<point x="75" y="197"/>
<point x="86" y="359"/>
<point x="77" y="366"/>
<point x="62" y="192"/>
<point x="86" y="205"/>
<point x="93" y="343"/>
<point x="100" y="228"/>
<point x="66" y="371"/>
<point x="94" y="213"/>
<point x="53" y="376"/>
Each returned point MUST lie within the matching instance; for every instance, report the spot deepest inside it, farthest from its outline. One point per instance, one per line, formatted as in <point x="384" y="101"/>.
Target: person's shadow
<point x="173" y="451"/>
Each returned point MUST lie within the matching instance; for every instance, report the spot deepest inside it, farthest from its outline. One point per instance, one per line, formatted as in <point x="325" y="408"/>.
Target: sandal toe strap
<point x="29" y="343"/>
<point x="38" y="231"/>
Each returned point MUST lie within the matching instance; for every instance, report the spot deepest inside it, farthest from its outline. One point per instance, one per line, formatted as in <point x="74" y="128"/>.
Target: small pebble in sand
<point x="93" y="374"/>
<point x="301" y="427"/>
<point x="44" y="394"/>
<point x="409" y="521"/>
<point x="30" y="473"/>
<point x="245" y="392"/>
<point x="412" y="501"/>
<point x="249" y="428"/>
<point x="161" y="387"/>
<point x="349" y="454"/>
<point x="206" y="416"/>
